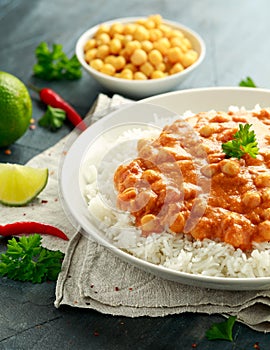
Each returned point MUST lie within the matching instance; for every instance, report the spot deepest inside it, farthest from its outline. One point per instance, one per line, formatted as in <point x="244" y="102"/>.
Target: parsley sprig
<point x="54" y="64"/>
<point x="222" y="330"/>
<point x="26" y="260"/>
<point x="244" y="142"/>
<point x="248" y="82"/>
<point x="53" y="118"/>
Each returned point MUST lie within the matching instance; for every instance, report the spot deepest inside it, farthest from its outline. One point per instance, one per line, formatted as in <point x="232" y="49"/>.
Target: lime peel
<point x="20" y="184"/>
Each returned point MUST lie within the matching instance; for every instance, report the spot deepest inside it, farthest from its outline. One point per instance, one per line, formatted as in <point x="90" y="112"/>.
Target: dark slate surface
<point x="237" y="38"/>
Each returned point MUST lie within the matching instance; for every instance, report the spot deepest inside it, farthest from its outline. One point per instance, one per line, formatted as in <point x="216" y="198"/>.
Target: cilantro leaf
<point x="248" y="82"/>
<point x="54" y="64"/>
<point x="222" y="330"/>
<point x="244" y="142"/>
<point x="53" y="119"/>
<point x="26" y="260"/>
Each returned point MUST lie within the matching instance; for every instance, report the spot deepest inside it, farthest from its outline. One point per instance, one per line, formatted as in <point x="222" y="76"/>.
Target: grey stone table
<point x="237" y="39"/>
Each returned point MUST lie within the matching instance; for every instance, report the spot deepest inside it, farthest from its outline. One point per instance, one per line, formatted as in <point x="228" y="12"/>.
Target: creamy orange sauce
<point x="183" y="182"/>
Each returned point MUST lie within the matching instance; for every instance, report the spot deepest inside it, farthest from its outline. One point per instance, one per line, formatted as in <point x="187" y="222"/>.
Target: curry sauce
<point x="183" y="182"/>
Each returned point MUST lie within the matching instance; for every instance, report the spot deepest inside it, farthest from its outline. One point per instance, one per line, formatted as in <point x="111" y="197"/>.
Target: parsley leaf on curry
<point x="26" y="260"/>
<point x="222" y="330"/>
<point x="248" y="82"/>
<point x="244" y="142"/>
<point x="54" y="64"/>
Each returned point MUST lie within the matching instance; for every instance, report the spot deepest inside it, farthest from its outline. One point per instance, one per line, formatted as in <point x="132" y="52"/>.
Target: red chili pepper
<point x="25" y="227"/>
<point x="51" y="98"/>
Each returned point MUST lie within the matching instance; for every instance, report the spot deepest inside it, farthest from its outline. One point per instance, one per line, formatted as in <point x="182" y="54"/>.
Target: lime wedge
<point x="20" y="184"/>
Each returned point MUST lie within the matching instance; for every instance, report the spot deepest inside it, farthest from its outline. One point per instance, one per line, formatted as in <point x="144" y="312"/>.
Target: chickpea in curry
<point x="183" y="182"/>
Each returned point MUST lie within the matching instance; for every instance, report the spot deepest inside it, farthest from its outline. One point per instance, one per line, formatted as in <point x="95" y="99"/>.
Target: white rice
<point x="176" y="252"/>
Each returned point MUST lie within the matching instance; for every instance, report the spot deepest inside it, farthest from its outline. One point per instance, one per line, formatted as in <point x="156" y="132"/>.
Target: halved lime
<point x="20" y="184"/>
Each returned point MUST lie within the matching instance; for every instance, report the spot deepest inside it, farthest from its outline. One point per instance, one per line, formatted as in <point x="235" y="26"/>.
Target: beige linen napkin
<point x="92" y="277"/>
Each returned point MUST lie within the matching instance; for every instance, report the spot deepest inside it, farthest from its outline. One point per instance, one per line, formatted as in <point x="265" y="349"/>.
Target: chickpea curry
<point x="183" y="182"/>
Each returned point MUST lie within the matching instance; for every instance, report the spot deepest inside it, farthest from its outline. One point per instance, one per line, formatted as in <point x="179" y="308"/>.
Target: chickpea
<point x="189" y="58"/>
<point x="141" y="33"/>
<point x="132" y="46"/>
<point x="176" y="41"/>
<point x="97" y="64"/>
<point x="116" y="28"/>
<point x="90" y="54"/>
<point x="124" y="53"/>
<point x="176" y="68"/>
<point x="129" y="28"/>
<point x="157" y="19"/>
<point x="131" y="67"/>
<point x="119" y="62"/>
<point x="155" y="57"/>
<point x="121" y="37"/>
<point x="141" y="21"/>
<point x="108" y="69"/>
<point x="149" y="222"/>
<point x="126" y="74"/>
<point x="110" y="59"/>
<point x="162" y="45"/>
<point x="187" y="43"/>
<point x="176" y="33"/>
<point x="155" y="34"/>
<point x="161" y="66"/>
<point x="115" y="46"/>
<point x="147" y="45"/>
<point x="230" y="167"/>
<point x="138" y="57"/>
<point x="264" y="229"/>
<point x="102" y="51"/>
<point x="90" y="44"/>
<point x="103" y="28"/>
<point x="262" y="180"/>
<point x="207" y="130"/>
<point x="128" y="194"/>
<point x="149" y="23"/>
<point x="175" y="54"/>
<point x="209" y="170"/>
<point x="127" y="38"/>
<point x="103" y="38"/>
<point x="158" y="74"/>
<point x="139" y="76"/>
<point x="179" y="224"/>
<point x="150" y="175"/>
<point x="166" y="30"/>
<point x="251" y="199"/>
<point x="147" y="69"/>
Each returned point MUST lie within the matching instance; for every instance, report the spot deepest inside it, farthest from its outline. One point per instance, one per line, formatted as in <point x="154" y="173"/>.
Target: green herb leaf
<point x="248" y="82"/>
<point x="54" y="64"/>
<point x="222" y="330"/>
<point x="244" y="142"/>
<point x="26" y="260"/>
<point x="53" y="119"/>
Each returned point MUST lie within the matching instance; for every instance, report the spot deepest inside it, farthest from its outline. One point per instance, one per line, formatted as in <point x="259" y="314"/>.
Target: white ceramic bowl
<point x="139" y="88"/>
<point x="195" y="100"/>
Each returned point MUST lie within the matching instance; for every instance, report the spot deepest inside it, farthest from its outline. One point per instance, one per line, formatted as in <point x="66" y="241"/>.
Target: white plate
<point x="145" y="111"/>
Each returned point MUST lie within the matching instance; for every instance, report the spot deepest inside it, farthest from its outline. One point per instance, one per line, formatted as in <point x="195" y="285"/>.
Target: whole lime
<point x="15" y="109"/>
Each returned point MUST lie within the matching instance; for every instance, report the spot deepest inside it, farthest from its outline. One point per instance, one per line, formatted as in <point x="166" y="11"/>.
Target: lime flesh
<point x="20" y="184"/>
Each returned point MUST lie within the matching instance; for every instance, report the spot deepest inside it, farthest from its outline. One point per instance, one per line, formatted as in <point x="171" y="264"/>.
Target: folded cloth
<point x="93" y="277"/>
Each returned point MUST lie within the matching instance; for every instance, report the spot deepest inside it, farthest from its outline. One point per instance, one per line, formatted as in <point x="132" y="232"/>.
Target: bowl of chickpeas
<point x="140" y="56"/>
